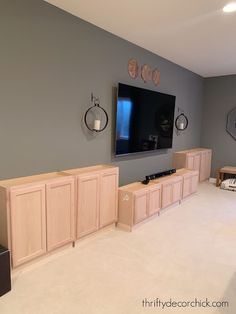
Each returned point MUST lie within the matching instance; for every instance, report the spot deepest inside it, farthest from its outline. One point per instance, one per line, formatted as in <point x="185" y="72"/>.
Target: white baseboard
<point x="212" y="180"/>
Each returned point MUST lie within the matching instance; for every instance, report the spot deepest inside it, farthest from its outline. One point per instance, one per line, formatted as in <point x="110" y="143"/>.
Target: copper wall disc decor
<point x="146" y="73"/>
<point x="156" y="75"/>
<point x="133" y="68"/>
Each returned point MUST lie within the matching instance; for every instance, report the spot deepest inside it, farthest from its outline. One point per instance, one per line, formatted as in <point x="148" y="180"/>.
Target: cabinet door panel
<point x="60" y="213"/>
<point x="194" y="183"/>
<point x="88" y="205"/>
<point x="154" y="201"/>
<point x="140" y="206"/>
<point x="187" y="186"/>
<point x="177" y="191"/>
<point x="203" y="167"/>
<point x="208" y="164"/>
<point x="190" y="161"/>
<point x="28" y="223"/>
<point x="167" y="191"/>
<point x="193" y="161"/>
<point x="197" y="162"/>
<point x="108" y="198"/>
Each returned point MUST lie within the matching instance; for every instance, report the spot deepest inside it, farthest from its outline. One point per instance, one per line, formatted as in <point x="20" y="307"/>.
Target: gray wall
<point x="219" y="99"/>
<point x="50" y="62"/>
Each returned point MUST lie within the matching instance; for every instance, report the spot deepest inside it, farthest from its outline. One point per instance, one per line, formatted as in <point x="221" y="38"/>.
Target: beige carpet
<point x="188" y="252"/>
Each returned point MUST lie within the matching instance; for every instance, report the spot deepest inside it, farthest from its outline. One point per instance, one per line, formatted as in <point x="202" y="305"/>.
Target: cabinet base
<point x="171" y="206"/>
<point x="41" y="260"/>
<point x="95" y="233"/>
<point x="133" y="227"/>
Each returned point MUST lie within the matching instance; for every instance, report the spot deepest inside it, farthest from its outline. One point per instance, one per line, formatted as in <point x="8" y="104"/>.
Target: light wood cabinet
<point x="96" y="197"/>
<point x="166" y="194"/>
<point x="140" y="205"/>
<point x="190" y="181"/>
<point x="38" y="213"/>
<point x="154" y="200"/>
<point x="205" y="165"/>
<point x="186" y="186"/>
<point x="41" y="213"/>
<point x="198" y="159"/>
<point x="108" y="197"/>
<point x="193" y="161"/>
<point x="194" y="183"/>
<point x="138" y="202"/>
<point x="87" y="204"/>
<point x="28" y="223"/>
<point x="60" y="213"/>
<point x="177" y="191"/>
<point x="171" y="190"/>
<point x="189" y="161"/>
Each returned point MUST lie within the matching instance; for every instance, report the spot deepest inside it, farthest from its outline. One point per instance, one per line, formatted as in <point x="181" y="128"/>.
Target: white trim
<point x="212" y="180"/>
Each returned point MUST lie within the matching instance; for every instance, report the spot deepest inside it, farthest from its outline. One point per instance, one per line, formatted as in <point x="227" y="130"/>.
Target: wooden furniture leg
<point x="221" y="177"/>
<point x="218" y="178"/>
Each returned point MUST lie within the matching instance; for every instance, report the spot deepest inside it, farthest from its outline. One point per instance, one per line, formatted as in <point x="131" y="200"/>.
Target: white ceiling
<point x="195" y="34"/>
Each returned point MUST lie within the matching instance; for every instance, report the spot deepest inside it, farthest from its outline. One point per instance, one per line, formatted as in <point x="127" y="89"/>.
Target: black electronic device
<point x="158" y="175"/>
<point x="5" y="271"/>
<point x="146" y="181"/>
<point x="144" y="120"/>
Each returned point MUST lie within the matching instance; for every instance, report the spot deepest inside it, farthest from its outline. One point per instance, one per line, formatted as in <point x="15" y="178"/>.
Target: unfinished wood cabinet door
<point x="197" y="162"/>
<point x="177" y="191"/>
<point x="194" y="183"/>
<point x="203" y="168"/>
<point x="28" y="223"/>
<point x="190" y="161"/>
<point x="140" y="206"/>
<point x="167" y="191"/>
<point x="193" y="161"/>
<point x="208" y="164"/>
<point x="60" y="213"/>
<point x="108" y="198"/>
<point x="154" y="205"/>
<point x="87" y="204"/>
<point x="187" y="186"/>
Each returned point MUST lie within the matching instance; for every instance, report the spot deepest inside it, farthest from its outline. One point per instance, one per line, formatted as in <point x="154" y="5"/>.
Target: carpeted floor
<point x="188" y="252"/>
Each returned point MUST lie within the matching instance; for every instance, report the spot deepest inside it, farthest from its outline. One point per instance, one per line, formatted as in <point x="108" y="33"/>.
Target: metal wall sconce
<point x="96" y="117"/>
<point x="181" y="122"/>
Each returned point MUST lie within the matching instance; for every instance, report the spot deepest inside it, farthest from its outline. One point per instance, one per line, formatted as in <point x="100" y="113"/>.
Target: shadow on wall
<point x="230" y="297"/>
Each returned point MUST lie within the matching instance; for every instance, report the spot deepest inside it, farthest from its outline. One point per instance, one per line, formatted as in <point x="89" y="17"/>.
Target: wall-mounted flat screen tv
<point x="144" y="120"/>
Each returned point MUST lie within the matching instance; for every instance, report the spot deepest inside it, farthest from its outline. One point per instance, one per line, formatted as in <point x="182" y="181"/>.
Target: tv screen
<point x="144" y="120"/>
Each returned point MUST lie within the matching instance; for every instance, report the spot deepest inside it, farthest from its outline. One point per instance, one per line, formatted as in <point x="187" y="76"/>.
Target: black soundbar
<point x="158" y="175"/>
